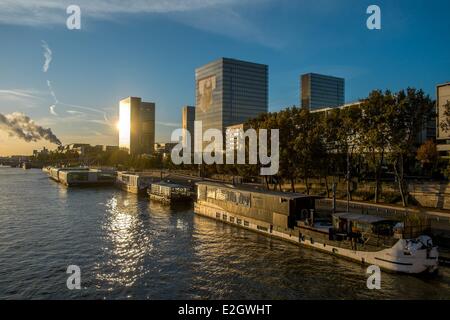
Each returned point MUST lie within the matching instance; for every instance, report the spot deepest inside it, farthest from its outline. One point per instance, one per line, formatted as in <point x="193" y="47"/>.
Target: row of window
<point x="239" y="221"/>
<point x="232" y="219"/>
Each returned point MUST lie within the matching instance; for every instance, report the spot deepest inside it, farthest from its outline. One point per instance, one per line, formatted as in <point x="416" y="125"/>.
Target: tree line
<point x="366" y="141"/>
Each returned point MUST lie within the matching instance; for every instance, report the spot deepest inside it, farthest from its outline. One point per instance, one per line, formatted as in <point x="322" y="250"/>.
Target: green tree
<point x="308" y="146"/>
<point x="406" y="118"/>
<point x="373" y="139"/>
<point x="427" y="155"/>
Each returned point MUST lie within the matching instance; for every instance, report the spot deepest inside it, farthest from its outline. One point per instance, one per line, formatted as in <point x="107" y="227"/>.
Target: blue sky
<point x="151" y="49"/>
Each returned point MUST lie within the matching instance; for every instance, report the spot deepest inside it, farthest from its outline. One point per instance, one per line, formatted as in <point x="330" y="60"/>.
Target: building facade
<point x="187" y="123"/>
<point x="442" y="135"/>
<point x="320" y="91"/>
<point x="229" y="92"/>
<point x="136" y="126"/>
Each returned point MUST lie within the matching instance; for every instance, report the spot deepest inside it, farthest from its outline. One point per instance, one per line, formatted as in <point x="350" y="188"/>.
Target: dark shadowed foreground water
<point x="132" y="248"/>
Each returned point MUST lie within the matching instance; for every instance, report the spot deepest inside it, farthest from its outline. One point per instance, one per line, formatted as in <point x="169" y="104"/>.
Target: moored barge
<point x="91" y="177"/>
<point x="169" y="193"/>
<point x="134" y="182"/>
<point x="390" y="244"/>
<point x="54" y="172"/>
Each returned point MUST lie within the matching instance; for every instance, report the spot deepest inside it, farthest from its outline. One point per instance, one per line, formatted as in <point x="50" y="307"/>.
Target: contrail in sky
<point x="47" y="56"/>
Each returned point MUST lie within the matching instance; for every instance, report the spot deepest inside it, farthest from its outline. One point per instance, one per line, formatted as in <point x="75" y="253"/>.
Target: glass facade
<point x="229" y="92"/>
<point x="187" y="122"/>
<point x="147" y="127"/>
<point x="136" y="126"/>
<point x="320" y="91"/>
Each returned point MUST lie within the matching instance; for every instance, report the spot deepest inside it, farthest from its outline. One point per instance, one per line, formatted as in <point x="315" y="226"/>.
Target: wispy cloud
<point x="47" y="56"/>
<point x="52" y="110"/>
<point x="74" y="112"/>
<point x="20" y="98"/>
<point x="215" y="16"/>
<point x="169" y="124"/>
<point x="55" y="100"/>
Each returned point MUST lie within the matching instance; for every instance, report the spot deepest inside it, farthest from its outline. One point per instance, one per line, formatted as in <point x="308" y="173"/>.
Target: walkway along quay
<point x="394" y="245"/>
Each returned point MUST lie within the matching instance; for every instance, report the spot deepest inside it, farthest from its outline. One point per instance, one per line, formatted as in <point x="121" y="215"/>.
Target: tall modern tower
<point x="136" y="126"/>
<point x="442" y="136"/>
<point x="229" y="92"/>
<point x="187" y="122"/>
<point x="320" y="91"/>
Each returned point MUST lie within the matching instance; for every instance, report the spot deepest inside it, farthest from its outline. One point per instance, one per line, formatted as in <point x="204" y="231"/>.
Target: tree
<point x="406" y="118"/>
<point x="308" y="145"/>
<point x="427" y="155"/>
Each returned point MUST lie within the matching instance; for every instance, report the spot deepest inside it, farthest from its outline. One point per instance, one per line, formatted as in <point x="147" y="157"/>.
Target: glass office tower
<point x="229" y="92"/>
<point x="136" y="126"/>
<point x="187" y="122"/>
<point x="320" y="91"/>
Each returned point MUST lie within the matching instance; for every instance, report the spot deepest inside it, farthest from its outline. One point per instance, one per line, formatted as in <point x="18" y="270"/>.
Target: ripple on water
<point x="130" y="248"/>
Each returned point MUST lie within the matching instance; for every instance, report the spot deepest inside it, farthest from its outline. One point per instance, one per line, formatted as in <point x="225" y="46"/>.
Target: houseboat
<point x="393" y="245"/>
<point x="169" y="193"/>
<point x="92" y="177"/>
<point x="134" y="182"/>
<point x="54" y="172"/>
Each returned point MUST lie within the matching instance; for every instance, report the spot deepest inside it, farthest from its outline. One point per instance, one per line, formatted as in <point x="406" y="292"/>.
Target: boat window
<point x="262" y="228"/>
<point x="257" y="202"/>
<point x="238" y="198"/>
<point x="221" y="195"/>
<point x="384" y="228"/>
<point x="244" y="199"/>
<point x="246" y="223"/>
<point x="211" y="193"/>
<point x="201" y="194"/>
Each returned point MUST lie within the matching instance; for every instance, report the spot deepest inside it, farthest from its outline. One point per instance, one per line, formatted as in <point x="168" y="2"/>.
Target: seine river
<point x="131" y="248"/>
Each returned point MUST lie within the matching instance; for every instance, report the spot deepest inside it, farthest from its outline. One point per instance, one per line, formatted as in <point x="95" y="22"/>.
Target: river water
<point x="130" y="248"/>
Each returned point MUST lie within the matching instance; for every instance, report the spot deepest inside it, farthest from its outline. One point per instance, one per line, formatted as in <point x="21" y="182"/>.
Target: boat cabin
<point x="268" y="207"/>
<point x="168" y="192"/>
<point x="356" y="224"/>
<point x="135" y="182"/>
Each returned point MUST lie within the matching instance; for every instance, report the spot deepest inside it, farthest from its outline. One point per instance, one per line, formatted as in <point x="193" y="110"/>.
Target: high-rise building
<point x="320" y="91"/>
<point x="442" y="135"/>
<point x="187" y="122"/>
<point x="136" y="126"/>
<point x="229" y="92"/>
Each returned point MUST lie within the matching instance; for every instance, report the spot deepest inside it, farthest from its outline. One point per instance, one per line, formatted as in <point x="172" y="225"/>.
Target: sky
<point x="72" y="80"/>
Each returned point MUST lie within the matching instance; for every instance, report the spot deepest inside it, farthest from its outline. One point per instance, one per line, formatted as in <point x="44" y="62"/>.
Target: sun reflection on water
<point x="126" y="242"/>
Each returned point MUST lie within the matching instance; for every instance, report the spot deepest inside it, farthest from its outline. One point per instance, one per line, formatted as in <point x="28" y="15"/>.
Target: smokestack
<point x="21" y="126"/>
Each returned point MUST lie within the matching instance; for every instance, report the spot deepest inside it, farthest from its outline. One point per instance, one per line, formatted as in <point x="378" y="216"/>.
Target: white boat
<point x="392" y="245"/>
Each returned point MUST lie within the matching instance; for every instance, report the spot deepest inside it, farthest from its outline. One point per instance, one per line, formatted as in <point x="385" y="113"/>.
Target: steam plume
<point x="19" y="125"/>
